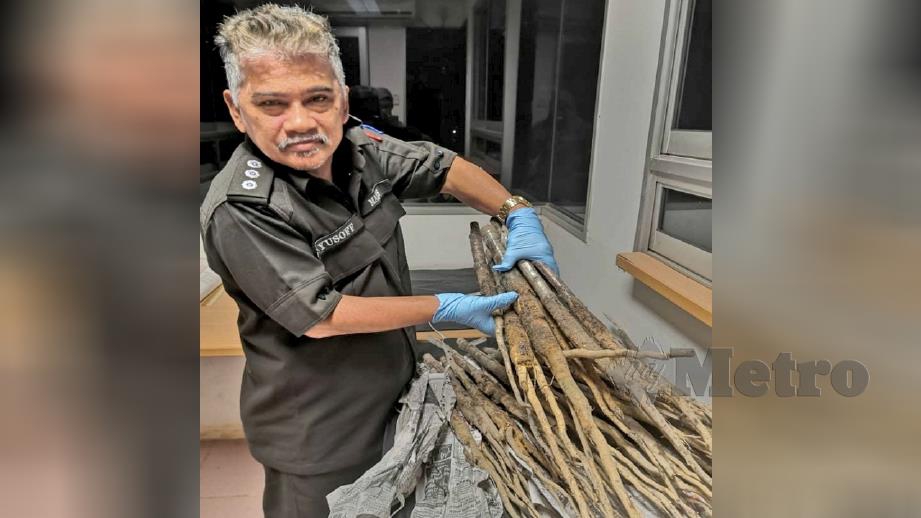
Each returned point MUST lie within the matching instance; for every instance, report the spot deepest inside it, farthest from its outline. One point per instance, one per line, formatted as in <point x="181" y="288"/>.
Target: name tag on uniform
<point x="376" y="195"/>
<point x="337" y="238"/>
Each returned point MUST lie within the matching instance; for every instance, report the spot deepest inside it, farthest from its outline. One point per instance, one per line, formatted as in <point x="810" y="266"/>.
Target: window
<point x="560" y="56"/>
<point x="689" y="113"/>
<point x="534" y="85"/>
<point x="676" y="209"/>
<point x="681" y="228"/>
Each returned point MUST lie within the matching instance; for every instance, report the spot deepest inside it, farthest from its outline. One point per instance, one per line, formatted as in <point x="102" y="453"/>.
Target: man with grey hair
<point x="302" y="225"/>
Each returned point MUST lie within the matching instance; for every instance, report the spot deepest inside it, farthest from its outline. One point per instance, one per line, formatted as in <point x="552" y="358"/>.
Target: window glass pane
<point x="560" y="52"/>
<point x="687" y="217"/>
<point x="694" y="105"/>
<point x="536" y="99"/>
<point x="436" y="86"/>
<point x="577" y="84"/>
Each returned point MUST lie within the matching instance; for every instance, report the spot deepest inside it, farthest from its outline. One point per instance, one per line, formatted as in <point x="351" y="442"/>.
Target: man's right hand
<point x="472" y="310"/>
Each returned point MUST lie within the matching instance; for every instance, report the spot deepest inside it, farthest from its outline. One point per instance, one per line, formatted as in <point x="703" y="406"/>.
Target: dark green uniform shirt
<point x="287" y="246"/>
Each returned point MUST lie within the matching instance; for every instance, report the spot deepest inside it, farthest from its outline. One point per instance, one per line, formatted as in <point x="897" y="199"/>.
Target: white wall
<point x="439" y="242"/>
<point x="628" y="77"/>
<point x="219" y="397"/>
<point x="387" y="63"/>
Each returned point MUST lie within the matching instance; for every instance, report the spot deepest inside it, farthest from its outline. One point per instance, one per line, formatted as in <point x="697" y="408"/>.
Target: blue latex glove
<point x="472" y="310"/>
<point x="526" y="240"/>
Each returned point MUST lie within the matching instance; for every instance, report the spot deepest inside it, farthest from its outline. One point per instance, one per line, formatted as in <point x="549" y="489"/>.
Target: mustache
<point x="298" y="139"/>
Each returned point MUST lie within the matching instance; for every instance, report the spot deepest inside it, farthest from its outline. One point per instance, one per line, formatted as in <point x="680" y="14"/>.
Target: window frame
<point x="668" y="162"/>
<point x="678" y="142"/>
<point x="692" y="260"/>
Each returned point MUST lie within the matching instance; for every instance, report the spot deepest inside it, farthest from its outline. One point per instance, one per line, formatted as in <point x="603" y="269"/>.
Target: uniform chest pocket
<point x="382" y="211"/>
<point x="347" y="249"/>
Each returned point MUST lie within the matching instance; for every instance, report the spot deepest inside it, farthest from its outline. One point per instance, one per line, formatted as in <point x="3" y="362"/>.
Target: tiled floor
<point x="231" y="481"/>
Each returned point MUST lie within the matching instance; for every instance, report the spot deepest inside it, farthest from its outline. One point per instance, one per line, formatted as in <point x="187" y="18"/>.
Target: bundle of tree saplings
<point x="568" y="419"/>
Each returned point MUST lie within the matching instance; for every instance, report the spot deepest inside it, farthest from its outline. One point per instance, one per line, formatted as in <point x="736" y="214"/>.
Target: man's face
<point x="293" y="110"/>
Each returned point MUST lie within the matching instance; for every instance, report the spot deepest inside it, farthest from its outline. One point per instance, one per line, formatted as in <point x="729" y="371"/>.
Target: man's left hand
<point x="526" y="240"/>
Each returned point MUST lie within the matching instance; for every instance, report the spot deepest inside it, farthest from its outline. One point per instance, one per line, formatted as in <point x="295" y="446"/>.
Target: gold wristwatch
<point x="510" y="204"/>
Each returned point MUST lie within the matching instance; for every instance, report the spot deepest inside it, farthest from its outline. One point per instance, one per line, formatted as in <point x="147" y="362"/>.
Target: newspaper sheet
<point x="425" y="460"/>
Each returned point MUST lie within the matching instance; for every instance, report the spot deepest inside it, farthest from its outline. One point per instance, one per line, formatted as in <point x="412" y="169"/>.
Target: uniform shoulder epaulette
<point x="362" y="134"/>
<point x="245" y="178"/>
<point x="373" y="132"/>
<point x="251" y="182"/>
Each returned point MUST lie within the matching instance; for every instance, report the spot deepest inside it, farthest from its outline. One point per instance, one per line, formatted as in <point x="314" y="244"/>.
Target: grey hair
<point x="288" y="31"/>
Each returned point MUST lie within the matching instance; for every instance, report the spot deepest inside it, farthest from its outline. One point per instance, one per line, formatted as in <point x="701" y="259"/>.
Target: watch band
<point x="509" y="204"/>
